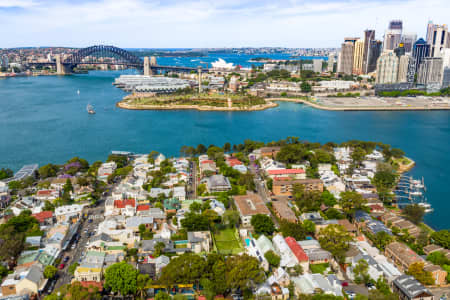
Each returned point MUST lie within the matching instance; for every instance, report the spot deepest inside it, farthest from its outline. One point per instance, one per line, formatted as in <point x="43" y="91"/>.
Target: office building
<point x="437" y="36"/>
<point x="387" y="68"/>
<point x="358" y="57"/>
<point x="446" y="78"/>
<point x="332" y="59"/>
<point x="400" y="50"/>
<point x="374" y="53"/>
<point x="369" y="37"/>
<point x="408" y="41"/>
<point x="317" y="65"/>
<point x="430" y="71"/>
<point x="420" y="50"/>
<point x="345" y="61"/>
<point x="393" y="35"/>
<point x="403" y="68"/>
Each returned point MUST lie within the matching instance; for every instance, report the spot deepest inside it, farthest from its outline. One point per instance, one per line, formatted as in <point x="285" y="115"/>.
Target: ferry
<point x="90" y="109"/>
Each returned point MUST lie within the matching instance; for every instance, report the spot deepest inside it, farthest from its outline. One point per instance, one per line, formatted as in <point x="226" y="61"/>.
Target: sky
<point x="207" y="23"/>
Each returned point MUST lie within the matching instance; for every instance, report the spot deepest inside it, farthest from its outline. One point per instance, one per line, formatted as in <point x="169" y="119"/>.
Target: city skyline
<point x="203" y="24"/>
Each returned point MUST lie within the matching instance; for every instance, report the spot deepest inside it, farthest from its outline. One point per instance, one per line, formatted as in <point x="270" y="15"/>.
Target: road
<point x="441" y="291"/>
<point x="87" y="227"/>
<point x="192" y="186"/>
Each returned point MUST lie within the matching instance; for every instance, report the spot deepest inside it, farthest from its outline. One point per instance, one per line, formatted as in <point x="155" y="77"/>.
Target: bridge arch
<point x="125" y="57"/>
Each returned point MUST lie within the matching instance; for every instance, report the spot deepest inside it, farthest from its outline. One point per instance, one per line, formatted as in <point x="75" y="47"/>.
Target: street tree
<point x="335" y="239"/>
<point x="121" y="277"/>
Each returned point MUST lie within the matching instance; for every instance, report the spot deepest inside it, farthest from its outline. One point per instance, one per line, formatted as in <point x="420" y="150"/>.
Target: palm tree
<point x="143" y="283"/>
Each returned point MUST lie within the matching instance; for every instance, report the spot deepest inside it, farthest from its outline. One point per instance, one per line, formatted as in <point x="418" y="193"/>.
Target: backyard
<point x="226" y="241"/>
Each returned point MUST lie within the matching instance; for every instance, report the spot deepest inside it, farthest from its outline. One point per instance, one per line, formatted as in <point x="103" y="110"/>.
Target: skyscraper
<point x="345" y="61"/>
<point x="437" y="36"/>
<point x="420" y="50"/>
<point x="408" y="40"/>
<point x="358" y="56"/>
<point x="430" y="71"/>
<point x="332" y="58"/>
<point x="393" y="35"/>
<point x="369" y="36"/>
<point x="387" y="68"/>
<point x="403" y="67"/>
<point x="374" y="53"/>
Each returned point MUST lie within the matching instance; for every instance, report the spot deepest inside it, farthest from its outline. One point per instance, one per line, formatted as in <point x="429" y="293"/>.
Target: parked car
<point x="66" y="259"/>
<point x="345" y="283"/>
<point x="61" y="266"/>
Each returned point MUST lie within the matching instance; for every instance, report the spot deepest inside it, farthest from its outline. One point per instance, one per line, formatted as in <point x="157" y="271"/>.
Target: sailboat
<point x="90" y="109"/>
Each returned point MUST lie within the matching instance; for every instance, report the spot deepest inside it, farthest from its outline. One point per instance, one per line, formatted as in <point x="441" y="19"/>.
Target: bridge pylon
<point x="61" y="69"/>
<point x="147" y="69"/>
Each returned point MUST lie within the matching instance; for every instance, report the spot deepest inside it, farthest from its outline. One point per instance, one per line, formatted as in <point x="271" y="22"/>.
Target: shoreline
<point x="363" y="108"/>
<point x="271" y="104"/>
<point x="124" y="105"/>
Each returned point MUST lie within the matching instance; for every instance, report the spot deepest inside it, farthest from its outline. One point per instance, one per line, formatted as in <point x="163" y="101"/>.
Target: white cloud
<point x="17" y="3"/>
<point x="204" y="23"/>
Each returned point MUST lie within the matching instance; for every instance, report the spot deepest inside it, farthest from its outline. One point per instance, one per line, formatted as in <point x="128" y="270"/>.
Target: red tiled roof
<point x="88" y="284"/>
<point x="286" y="171"/>
<point x="43" y="215"/>
<point x="281" y="178"/>
<point x="376" y="207"/>
<point x="233" y="162"/>
<point x="44" y="192"/>
<point x="207" y="161"/>
<point x="125" y="202"/>
<point x="296" y="249"/>
<point x="142" y="207"/>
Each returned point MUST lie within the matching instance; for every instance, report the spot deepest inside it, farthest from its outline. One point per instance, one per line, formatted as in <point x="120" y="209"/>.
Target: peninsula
<point x="202" y="101"/>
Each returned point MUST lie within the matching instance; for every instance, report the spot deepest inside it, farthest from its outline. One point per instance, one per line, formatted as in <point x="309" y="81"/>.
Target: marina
<point x="411" y="191"/>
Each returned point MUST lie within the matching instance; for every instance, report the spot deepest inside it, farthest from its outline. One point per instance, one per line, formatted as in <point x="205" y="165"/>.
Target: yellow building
<point x="358" y="57"/>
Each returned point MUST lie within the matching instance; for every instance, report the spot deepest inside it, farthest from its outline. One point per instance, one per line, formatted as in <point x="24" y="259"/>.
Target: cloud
<point x="206" y="23"/>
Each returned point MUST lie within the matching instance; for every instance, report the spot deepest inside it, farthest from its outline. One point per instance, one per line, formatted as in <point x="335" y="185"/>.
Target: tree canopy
<point x="262" y="224"/>
<point x="121" y="277"/>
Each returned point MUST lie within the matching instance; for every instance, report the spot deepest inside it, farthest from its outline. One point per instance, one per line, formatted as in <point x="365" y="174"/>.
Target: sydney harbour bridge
<point x="110" y="55"/>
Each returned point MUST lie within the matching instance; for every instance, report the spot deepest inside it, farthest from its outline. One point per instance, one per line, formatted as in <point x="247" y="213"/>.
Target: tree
<point x="309" y="226"/>
<point x="414" y="213"/>
<point x="227" y="147"/>
<point x="68" y="187"/>
<point x="417" y="270"/>
<point x="397" y="153"/>
<point x="351" y="201"/>
<point x="48" y="170"/>
<point x="361" y="271"/>
<point x="72" y="268"/>
<point x="381" y="239"/>
<point x="201" y="149"/>
<point x="121" y="277"/>
<point x="328" y="199"/>
<point x="159" y="248"/>
<point x="6" y="173"/>
<point x="162" y="296"/>
<point x="305" y="87"/>
<point x="186" y="268"/>
<point x="48" y="206"/>
<point x="442" y="238"/>
<point x="143" y="282"/>
<point x="243" y="272"/>
<point x="215" y="153"/>
<point x="50" y="271"/>
<point x="272" y="258"/>
<point x="195" y="222"/>
<point x="358" y="155"/>
<point x="230" y="217"/>
<point x="438" y="258"/>
<point x="262" y="224"/>
<point x="292" y="229"/>
<point x="335" y="239"/>
<point x="378" y="295"/>
<point x="195" y="207"/>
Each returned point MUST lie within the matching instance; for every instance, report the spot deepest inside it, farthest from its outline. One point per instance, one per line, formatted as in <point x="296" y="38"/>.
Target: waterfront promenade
<point x="373" y="103"/>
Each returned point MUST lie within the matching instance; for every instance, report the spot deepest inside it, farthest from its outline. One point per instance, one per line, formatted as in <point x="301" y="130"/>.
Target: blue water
<point x="43" y="119"/>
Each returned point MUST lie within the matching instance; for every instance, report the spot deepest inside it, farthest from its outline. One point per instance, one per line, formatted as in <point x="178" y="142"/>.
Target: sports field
<point x="227" y="242"/>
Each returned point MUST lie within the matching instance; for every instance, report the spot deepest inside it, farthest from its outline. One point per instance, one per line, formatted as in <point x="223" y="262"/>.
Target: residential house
<point x="217" y="183"/>
<point x="47" y="195"/>
<point x="45" y="218"/>
<point x="312" y="283"/>
<point x="298" y="251"/>
<point x="24" y="281"/>
<point x="58" y="183"/>
<point x="68" y="213"/>
<point x="207" y="166"/>
<point x="285" y="187"/>
<point x="217" y="206"/>
<point x="126" y="207"/>
<point x="283" y="211"/>
<point x="199" y="241"/>
<point x="270" y="152"/>
<point x="408" y="288"/>
<point x="288" y="258"/>
<point x="250" y="205"/>
<point x="291" y="174"/>
<point x="179" y="192"/>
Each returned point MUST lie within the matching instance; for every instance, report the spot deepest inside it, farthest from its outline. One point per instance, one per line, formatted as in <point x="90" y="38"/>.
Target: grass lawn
<point x="319" y="268"/>
<point x="226" y="241"/>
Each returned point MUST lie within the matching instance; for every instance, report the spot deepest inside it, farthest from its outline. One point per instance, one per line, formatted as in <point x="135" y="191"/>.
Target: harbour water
<point x="44" y="119"/>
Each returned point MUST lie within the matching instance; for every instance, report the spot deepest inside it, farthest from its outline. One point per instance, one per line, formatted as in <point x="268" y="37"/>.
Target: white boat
<point x="416" y="193"/>
<point x="427" y="207"/>
<point x="78" y="92"/>
<point x="90" y="109"/>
